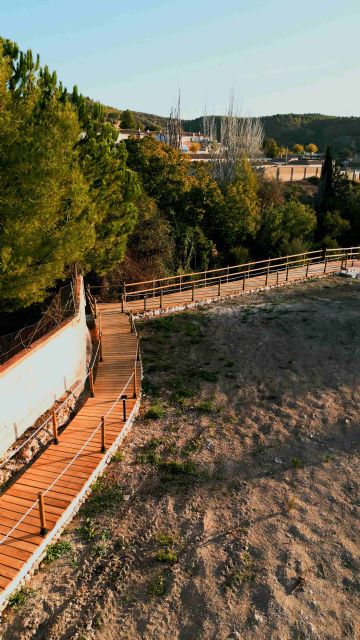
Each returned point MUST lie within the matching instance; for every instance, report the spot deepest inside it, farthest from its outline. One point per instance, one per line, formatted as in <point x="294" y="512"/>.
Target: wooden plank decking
<point x="184" y="298"/>
<point x="64" y="472"/>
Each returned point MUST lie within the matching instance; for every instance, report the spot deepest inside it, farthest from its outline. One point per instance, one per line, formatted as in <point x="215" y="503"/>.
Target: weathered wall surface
<point x="35" y="378"/>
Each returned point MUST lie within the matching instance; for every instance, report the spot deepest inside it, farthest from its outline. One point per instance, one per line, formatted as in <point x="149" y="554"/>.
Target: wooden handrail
<point x="185" y="278"/>
<point x="247" y="271"/>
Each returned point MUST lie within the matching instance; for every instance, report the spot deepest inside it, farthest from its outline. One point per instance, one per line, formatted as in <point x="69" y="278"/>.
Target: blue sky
<point x="278" y="56"/>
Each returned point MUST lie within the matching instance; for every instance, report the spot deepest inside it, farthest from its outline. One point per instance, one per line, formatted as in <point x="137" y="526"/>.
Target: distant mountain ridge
<point x="287" y="129"/>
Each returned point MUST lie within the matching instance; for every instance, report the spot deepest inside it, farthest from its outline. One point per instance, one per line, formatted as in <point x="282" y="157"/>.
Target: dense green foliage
<point x="66" y="194"/>
<point x="71" y="196"/>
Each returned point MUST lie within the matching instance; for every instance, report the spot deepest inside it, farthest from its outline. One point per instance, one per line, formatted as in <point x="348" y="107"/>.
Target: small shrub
<point x="105" y="495"/>
<point x="117" y="457"/>
<point x="292" y="504"/>
<point x="207" y="376"/>
<point x="180" y="473"/>
<point x="155" y="412"/>
<point x="165" y="539"/>
<point x="149" y="453"/>
<point x="244" y="574"/>
<point x="296" y="463"/>
<point x="87" y="530"/>
<point x="156" y="586"/>
<point x="165" y="555"/>
<point x="206" y="406"/>
<point x="192" y="446"/>
<point x="57" y="550"/>
<point x="19" y="597"/>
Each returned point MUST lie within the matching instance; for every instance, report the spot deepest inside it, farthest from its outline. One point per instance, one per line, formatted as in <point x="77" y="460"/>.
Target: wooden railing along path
<point x="37" y="505"/>
<point x="175" y="292"/>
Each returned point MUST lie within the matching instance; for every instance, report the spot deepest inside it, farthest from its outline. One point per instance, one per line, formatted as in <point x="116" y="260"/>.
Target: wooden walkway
<point x="185" y="298"/>
<point x="64" y="472"/>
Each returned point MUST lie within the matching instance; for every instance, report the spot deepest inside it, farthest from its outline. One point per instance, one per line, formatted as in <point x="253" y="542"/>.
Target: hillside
<point x="287" y="129"/>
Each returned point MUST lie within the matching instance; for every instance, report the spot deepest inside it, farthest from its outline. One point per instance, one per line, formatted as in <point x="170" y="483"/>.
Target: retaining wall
<point x="35" y="378"/>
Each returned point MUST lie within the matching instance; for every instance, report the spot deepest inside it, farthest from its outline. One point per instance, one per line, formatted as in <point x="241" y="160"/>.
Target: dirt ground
<point x="232" y="509"/>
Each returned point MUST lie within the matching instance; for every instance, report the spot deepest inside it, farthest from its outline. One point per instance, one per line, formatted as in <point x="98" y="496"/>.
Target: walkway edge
<point x="153" y="313"/>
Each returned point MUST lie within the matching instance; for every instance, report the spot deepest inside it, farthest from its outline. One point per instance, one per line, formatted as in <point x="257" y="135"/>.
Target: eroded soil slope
<point x="232" y="509"/>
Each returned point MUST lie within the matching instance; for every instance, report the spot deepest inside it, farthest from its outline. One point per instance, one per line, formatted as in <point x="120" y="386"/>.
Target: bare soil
<point x="232" y="510"/>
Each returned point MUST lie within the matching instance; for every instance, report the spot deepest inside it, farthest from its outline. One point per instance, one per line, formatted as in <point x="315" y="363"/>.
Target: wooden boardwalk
<point x="185" y="298"/>
<point x="65" y="471"/>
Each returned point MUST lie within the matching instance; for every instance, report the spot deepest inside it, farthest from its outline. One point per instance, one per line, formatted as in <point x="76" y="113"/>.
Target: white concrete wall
<point x="32" y="381"/>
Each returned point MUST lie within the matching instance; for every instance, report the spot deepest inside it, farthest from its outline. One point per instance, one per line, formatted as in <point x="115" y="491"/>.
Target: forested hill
<point x="291" y="128"/>
<point x="287" y="129"/>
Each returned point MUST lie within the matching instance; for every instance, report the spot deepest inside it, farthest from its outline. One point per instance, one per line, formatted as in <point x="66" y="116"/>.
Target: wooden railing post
<point x="95" y="309"/>
<point x="161" y="298"/>
<point x="180" y="283"/>
<point x="100" y="347"/>
<point x="325" y="265"/>
<point x="153" y="288"/>
<point x="277" y="277"/>
<point x="227" y="274"/>
<point x="134" y="385"/>
<point x="346" y="258"/>
<point x="131" y="322"/>
<point x="122" y="303"/>
<point x="219" y="287"/>
<point x="267" y="274"/>
<point x="124" y="408"/>
<point x="138" y="350"/>
<point x="91" y="383"/>
<point x="145" y="298"/>
<point x="307" y="268"/>
<point x="43" y="527"/>
<point x="287" y="269"/>
<point x="244" y="278"/>
<point x="55" y="428"/>
<point x="352" y="255"/>
<point x="192" y="292"/>
<point x="103" y="448"/>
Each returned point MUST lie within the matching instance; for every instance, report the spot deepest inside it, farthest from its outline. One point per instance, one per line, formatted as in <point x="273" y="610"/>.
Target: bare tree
<point x="231" y="137"/>
<point x="174" y="127"/>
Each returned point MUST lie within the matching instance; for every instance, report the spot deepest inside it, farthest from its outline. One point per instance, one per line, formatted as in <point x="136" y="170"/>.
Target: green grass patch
<point x="149" y="452"/>
<point x="87" y="530"/>
<point x="166" y="556"/>
<point x="157" y="587"/>
<point x="117" y="457"/>
<point x="296" y="463"/>
<point x="206" y="406"/>
<point x="57" y="550"/>
<point x="20" y="597"/>
<point x="192" y="446"/>
<point x="155" y="412"/>
<point x="105" y="495"/>
<point x="178" y="473"/>
<point x="244" y="574"/>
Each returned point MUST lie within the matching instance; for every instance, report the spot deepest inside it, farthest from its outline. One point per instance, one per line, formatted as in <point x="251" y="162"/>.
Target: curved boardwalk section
<point x="175" y="297"/>
<point x="65" y="471"/>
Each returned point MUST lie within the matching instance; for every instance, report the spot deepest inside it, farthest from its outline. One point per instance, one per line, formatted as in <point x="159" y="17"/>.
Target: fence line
<point x="62" y="307"/>
<point x="174" y="284"/>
